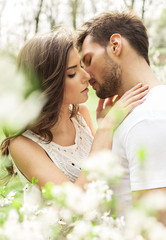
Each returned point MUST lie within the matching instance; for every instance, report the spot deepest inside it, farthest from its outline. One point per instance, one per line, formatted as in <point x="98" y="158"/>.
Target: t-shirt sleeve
<point x="146" y="152"/>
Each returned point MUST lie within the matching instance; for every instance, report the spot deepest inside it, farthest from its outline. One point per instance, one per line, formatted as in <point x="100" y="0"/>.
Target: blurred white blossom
<point x="16" y="109"/>
<point x="81" y="229"/>
<point x="7" y="200"/>
<point x="140" y="225"/>
<point x="68" y="212"/>
<point x="32" y="198"/>
<point x="154" y="200"/>
<point x="104" y="165"/>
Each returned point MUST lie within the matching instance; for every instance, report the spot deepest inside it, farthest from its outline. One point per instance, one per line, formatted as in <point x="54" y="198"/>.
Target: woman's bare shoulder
<point x="20" y="141"/>
<point x="31" y="159"/>
<point x="22" y="144"/>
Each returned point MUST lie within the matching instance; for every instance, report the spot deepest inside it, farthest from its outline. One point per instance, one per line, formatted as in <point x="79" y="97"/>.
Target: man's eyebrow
<point x="71" y="67"/>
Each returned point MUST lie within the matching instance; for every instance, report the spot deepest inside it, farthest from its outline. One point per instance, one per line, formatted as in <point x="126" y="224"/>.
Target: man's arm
<point x="146" y="153"/>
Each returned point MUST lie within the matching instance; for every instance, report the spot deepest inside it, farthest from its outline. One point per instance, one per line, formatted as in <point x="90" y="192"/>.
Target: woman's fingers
<point x="135" y="91"/>
<point x="140" y="90"/>
<point x="135" y="98"/>
<point x="134" y="104"/>
<point x="130" y="100"/>
<point x="138" y="86"/>
<point x="99" y="108"/>
<point x="109" y="102"/>
<point x="138" y="96"/>
<point x="121" y="107"/>
<point x="100" y="104"/>
<point x="132" y="96"/>
<point x="134" y="101"/>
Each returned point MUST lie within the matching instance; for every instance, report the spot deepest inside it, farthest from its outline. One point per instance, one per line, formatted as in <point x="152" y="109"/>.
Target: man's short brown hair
<point x="126" y="24"/>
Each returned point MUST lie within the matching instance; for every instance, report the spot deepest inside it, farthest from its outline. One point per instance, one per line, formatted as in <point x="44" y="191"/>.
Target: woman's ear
<point x="116" y="44"/>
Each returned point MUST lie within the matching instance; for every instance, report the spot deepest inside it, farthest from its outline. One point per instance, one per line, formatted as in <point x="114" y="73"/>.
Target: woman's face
<point x="76" y="80"/>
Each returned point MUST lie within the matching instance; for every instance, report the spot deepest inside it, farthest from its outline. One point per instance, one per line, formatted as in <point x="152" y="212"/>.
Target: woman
<point x="53" y="148"/>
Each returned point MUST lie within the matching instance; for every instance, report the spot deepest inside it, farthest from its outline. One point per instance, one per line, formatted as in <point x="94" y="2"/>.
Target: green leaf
<point x="34" y="181"/>
<point x="142" y="155"/>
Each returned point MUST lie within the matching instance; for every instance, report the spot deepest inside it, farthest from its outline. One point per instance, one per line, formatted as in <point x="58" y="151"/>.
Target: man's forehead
<point x="88" y="45"/>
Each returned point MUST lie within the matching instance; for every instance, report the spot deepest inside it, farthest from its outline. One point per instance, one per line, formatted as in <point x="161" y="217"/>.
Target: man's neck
<point x="137" y="71"/>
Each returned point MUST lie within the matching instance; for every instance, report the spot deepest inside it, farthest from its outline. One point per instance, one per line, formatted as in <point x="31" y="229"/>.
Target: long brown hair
<point x="46" y="56"/>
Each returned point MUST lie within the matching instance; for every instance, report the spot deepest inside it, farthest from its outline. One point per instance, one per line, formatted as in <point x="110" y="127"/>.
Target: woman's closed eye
<point x="71" y="75"/>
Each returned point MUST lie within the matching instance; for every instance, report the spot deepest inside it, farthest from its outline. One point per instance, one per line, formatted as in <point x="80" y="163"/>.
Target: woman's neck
<point x="64" y="131"/>
<point x="64" y="120"/>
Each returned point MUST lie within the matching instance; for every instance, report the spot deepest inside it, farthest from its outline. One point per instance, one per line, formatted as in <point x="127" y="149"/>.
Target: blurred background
<point x="21" y="19"/>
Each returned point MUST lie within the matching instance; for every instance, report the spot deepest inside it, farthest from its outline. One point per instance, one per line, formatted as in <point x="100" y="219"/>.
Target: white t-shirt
<point x="143" y="133"/>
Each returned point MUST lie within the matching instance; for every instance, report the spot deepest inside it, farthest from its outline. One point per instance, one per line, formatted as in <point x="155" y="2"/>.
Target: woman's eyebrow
<point x="71" y="67"/>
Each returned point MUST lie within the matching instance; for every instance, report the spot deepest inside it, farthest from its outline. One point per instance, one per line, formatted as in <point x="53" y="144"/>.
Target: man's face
<point x="105" y="73"/>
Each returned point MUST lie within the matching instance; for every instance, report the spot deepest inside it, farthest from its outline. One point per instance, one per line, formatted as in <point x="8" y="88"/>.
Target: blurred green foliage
<point x="92" y="105"/>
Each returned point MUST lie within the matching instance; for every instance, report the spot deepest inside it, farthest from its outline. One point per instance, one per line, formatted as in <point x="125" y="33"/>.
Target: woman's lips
<point x="86" y="90"/>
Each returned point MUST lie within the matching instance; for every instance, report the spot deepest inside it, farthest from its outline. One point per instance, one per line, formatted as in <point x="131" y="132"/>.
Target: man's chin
<point x="100" y="95"/>
<point x="103" y="95"/>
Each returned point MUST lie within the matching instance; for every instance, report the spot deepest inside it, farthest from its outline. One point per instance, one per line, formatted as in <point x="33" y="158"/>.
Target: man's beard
<point x="111" y="79"/>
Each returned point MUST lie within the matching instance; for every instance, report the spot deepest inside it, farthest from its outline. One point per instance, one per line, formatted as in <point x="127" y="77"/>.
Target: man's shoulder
<point x="156" y="96"/>
<point x="154" y="104"/>
<point x="154" y="108"/>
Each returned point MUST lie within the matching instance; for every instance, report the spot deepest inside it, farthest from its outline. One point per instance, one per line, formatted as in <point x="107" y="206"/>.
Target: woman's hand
<point x="121" y="107"/>
<point x="103" y="105"/>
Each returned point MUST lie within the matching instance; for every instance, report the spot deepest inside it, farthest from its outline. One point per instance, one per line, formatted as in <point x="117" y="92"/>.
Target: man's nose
<point x="87" y="69"/>
<point x="87" y="76"/>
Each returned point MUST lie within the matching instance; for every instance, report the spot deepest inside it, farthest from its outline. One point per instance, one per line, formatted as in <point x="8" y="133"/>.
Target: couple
<point x="115" y="55"/>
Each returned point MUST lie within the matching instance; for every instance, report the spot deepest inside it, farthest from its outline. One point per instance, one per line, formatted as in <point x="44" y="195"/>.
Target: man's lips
<point x="92" y="82"/>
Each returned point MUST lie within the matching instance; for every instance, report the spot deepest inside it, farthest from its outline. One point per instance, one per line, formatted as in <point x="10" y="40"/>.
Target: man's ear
<point x="116" y="44"/>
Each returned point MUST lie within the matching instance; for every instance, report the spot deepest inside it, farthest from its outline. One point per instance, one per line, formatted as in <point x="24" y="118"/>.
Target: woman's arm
<point x="33" y="161"/>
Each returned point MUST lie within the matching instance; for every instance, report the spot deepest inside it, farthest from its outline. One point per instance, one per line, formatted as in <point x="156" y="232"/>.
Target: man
<point x="115" y="54"/>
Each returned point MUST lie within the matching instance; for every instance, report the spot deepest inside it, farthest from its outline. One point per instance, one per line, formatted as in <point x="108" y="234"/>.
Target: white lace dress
<point x="69" y="158"/>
